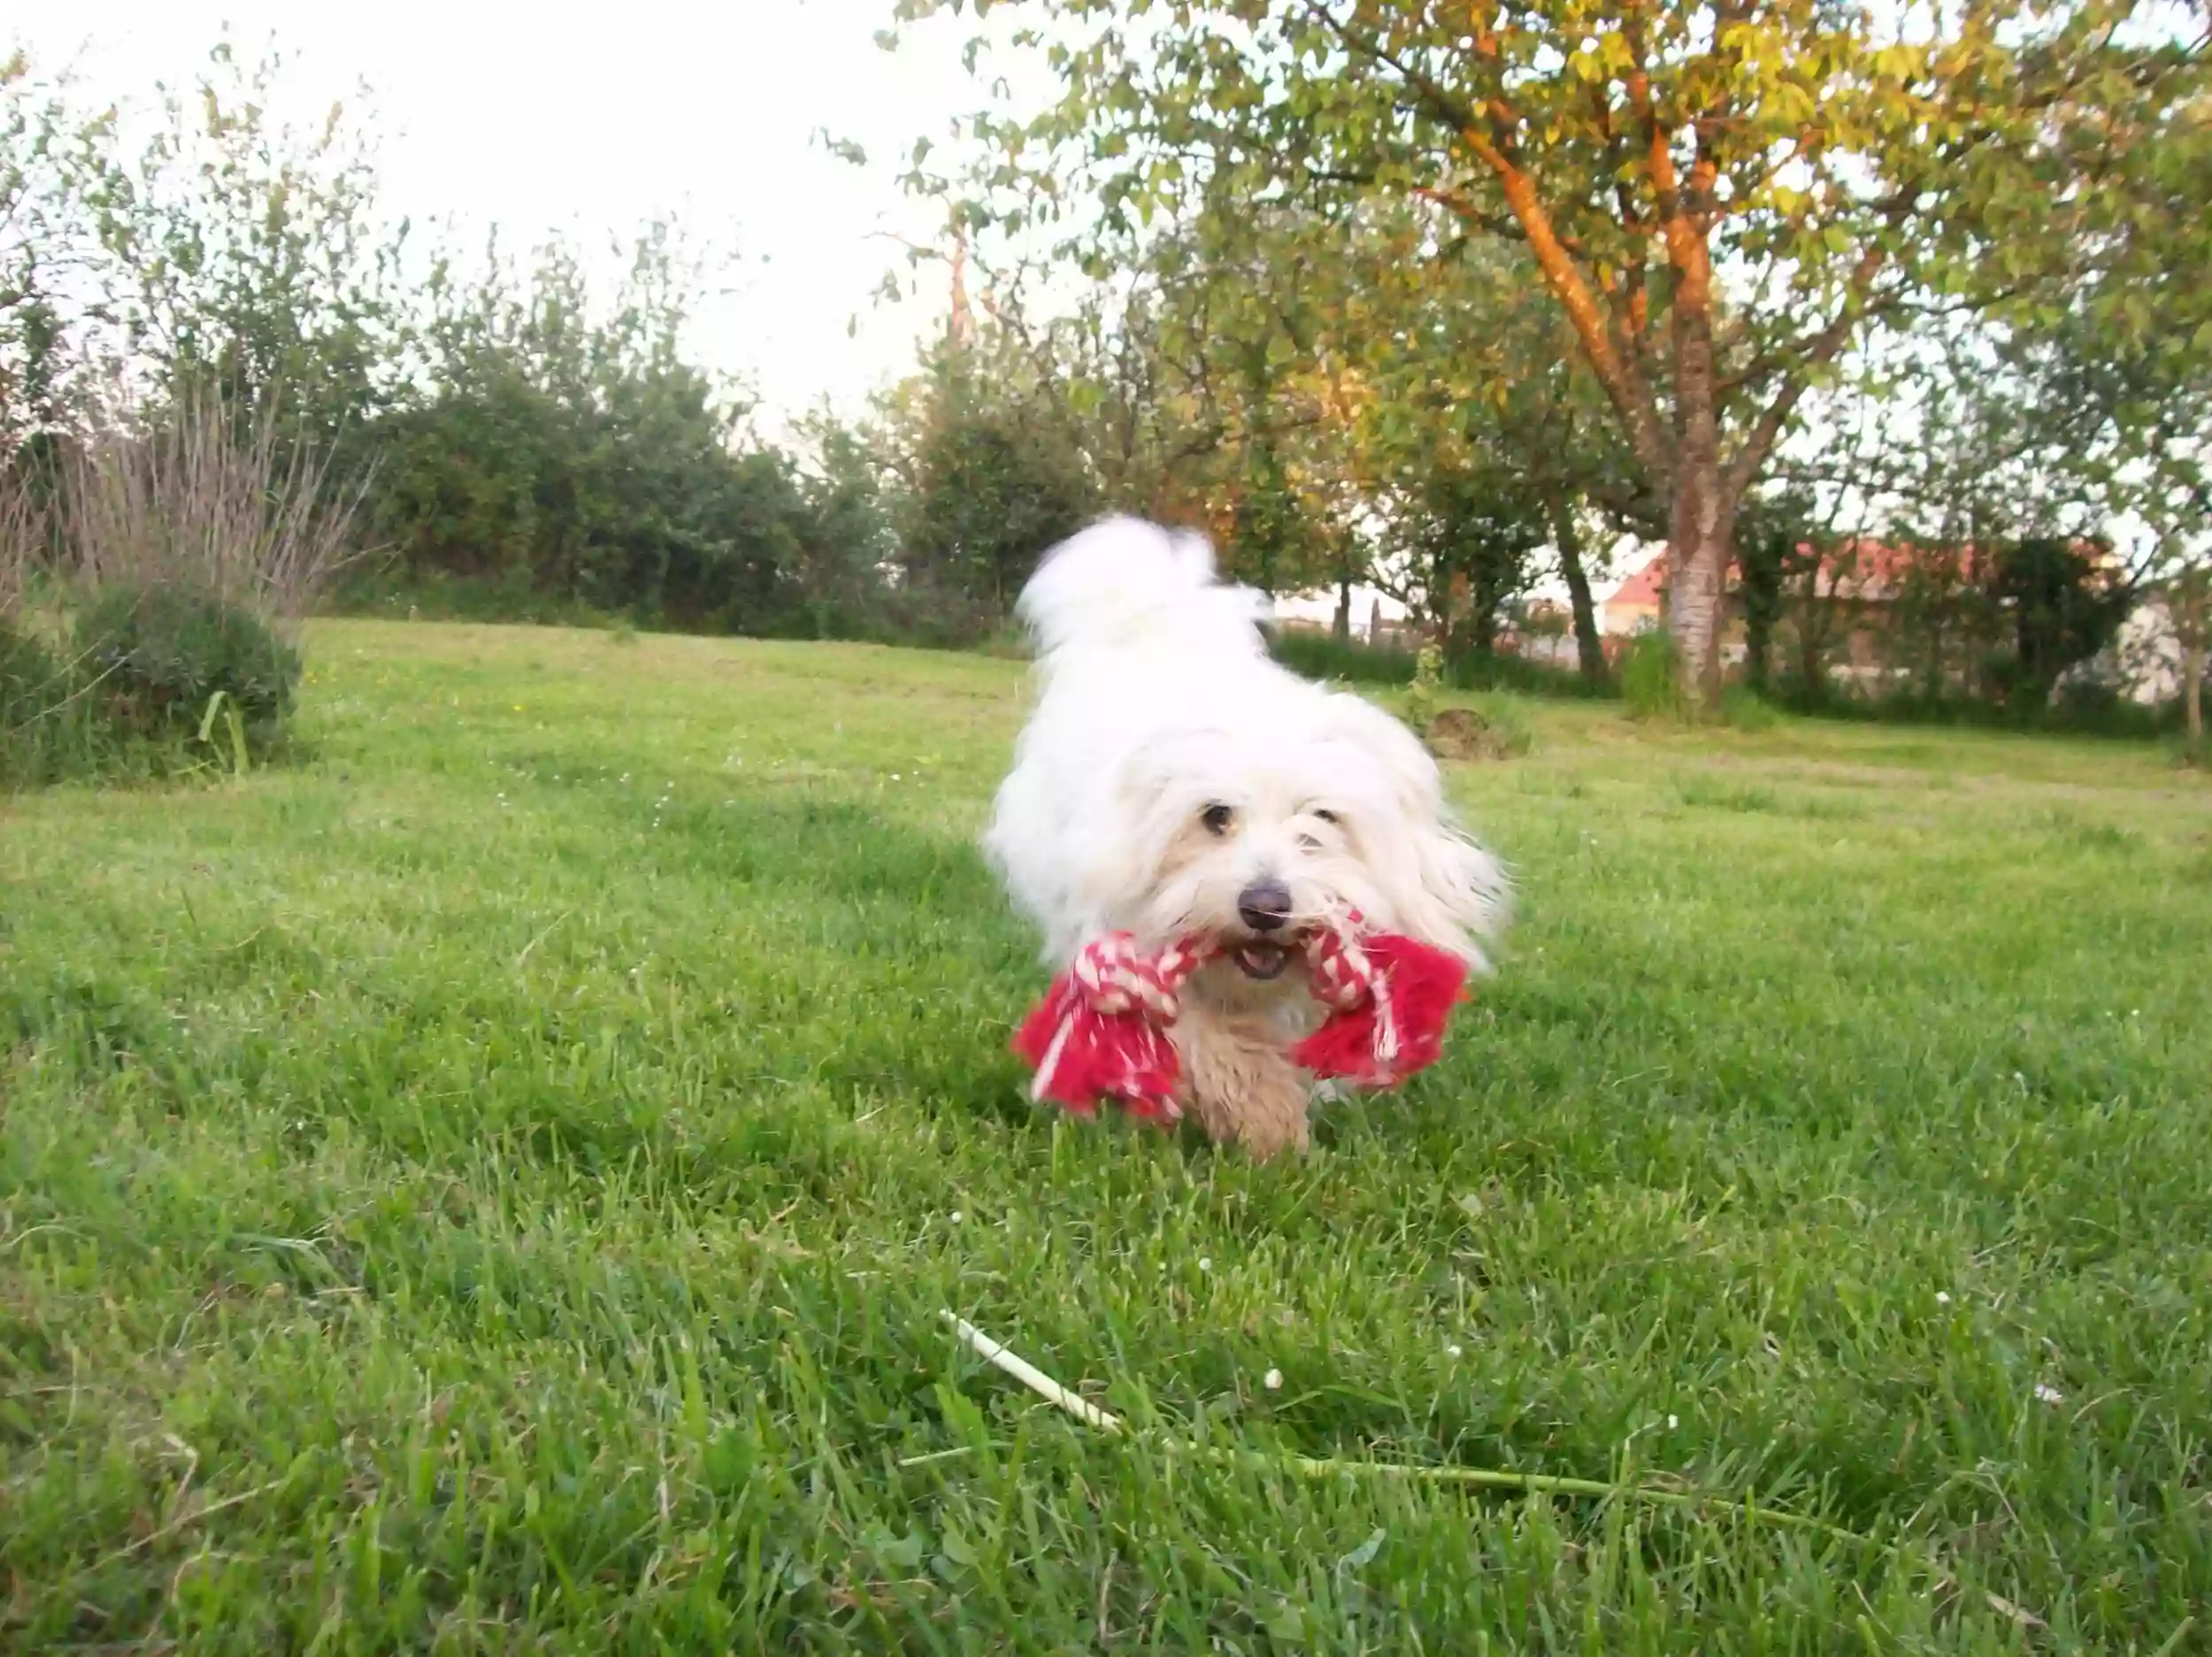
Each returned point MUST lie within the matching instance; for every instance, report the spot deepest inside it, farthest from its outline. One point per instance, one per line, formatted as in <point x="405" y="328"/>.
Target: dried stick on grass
<point x="1325" y="1467"/>
<point x="1031" y="1377"/>
<point x="204" y="497"/>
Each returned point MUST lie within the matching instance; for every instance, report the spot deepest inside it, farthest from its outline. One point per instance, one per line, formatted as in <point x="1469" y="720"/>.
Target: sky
<point x="595" y="120"/>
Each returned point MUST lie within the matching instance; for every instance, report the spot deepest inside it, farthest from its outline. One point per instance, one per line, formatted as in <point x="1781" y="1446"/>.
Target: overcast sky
<point x="595" y="119"/>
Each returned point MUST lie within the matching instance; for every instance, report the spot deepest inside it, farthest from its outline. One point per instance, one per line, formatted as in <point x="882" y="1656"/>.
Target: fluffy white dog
<point x="1173" y="780"/>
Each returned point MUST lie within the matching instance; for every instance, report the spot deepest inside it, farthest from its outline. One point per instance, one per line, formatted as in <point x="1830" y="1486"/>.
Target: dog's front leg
<point x="1238" y="1080"/>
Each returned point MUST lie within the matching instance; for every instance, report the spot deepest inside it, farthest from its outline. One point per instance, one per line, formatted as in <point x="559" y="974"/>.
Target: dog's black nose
<point x="1265" y="905"/>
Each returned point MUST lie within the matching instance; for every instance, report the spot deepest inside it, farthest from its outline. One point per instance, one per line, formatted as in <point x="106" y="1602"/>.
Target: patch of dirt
<point x="1462" y="733"/>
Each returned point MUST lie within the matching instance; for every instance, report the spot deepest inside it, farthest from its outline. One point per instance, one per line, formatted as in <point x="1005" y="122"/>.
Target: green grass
<point x="491" y="1186"/>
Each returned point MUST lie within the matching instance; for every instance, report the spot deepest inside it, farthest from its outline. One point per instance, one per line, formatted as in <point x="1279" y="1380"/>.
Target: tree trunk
<point x="1812" y="638"/>
<point x="1343" y="624"/>
<point x="1762" y="605"/>
<point x="2189" y="614"/>
<point x="1758" y="658"/>
<point x="1698" y="552"/>
<point x="1482" y="624"/>
<point x="1762" y="563"/>
<point x="1702" y="513"/>
<point x="1589" y="647"/>
<point x="1443" y="613"/>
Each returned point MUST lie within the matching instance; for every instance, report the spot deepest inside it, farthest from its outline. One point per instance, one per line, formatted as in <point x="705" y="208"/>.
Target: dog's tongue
<point x="1262" y="961"/>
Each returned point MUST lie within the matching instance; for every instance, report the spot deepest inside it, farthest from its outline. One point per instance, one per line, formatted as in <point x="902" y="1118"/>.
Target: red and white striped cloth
<point x="1101" y="1031"/>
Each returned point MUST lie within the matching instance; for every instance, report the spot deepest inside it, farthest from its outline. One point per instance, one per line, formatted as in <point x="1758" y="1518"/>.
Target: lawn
<point x="493" y="1184"/>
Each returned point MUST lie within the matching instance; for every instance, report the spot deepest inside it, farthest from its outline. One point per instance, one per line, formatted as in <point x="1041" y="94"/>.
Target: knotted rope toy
<point x="1102" y="1030"/>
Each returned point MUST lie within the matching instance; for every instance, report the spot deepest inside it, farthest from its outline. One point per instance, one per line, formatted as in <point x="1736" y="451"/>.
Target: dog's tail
<point x="1124" y="583"/>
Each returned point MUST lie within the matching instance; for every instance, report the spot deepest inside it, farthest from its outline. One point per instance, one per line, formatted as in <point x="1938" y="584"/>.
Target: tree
<point x="2191" y="596"/>
<point x="245" y="254"/>
<point x="1259" y="382"/>
<point x="1721" y="198"/>
<point x="2110" y="372"/>
<point x="1550" y="417"/>
<point x="56" y="160"/>
<point x="1777" y="539"/>
<point x="1348" y="373"/>
<point x="568" y="449"/>
<point x="988" y="481"/>
<point x="2062" y="613"/>
<point x="1469" y="533"/>
<point x="852" y="542"/>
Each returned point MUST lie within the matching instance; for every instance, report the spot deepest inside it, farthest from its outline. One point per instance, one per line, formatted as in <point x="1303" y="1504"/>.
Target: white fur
<point x="1158" y="701"/>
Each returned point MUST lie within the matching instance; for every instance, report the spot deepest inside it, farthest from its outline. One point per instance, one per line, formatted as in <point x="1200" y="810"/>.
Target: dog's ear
<point x="1459" y="898"/>
<point x="1447" y="890"/>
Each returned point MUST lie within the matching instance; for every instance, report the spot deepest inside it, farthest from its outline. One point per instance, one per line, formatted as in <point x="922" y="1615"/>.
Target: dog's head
<point x="1254" y="825"/>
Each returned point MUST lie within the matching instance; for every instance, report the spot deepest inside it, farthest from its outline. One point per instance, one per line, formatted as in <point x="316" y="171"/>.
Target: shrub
<point x="1496" y="727"/>
<point x="29" y="675"/>
<point x="1428" y="679"/>
<point x="989" y="479"/>
<point x="1486" y="670"/>
<point x="928" y="609"/>
<point x="1512" y="732"/>
<point x="1324" y="655"/>
<point x="1743" y="708"/>
<point x="1648" y="685"/>
<point x="171" y="543"/>
<point x="31" y="686"/>
<point x="208" y="498"/>
<point x="161" y="655"/>
<point x="390" y="592"/>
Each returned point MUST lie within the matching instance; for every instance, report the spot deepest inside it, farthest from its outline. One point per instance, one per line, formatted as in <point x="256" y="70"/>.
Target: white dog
<point x="1173" y="780"/>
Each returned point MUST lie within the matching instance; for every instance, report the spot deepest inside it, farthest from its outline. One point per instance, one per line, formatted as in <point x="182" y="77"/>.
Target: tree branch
<point x="1488" y="136"/>
<point x="1819" y="350"/>
<point x="1466" y="213"/>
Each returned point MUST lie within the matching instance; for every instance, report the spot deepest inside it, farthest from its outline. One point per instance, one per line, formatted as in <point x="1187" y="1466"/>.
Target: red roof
<point x="1642" y="587"/>
<point x="1861" y="568"/>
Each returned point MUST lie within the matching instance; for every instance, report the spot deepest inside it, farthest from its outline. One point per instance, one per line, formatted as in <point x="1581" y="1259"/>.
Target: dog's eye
<point x="1217" y="818"/>
<point x="1326" y="815"/>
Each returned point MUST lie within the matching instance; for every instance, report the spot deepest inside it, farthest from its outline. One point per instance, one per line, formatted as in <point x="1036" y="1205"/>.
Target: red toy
<point x="1101" y="1032"/>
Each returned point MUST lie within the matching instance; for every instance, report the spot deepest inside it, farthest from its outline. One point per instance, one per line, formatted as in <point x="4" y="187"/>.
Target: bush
<point x="1498" y="672"/>
<point x="1428" y="679"/>
<point x="28" y="675"/>
<point x="159" y="655"/>
<point x="2091" y="716"/>
<point x="1512" y="732"/>
<point x="1743" y="708"/>
<point x="33" y="687"/>
<point x="1324" y="655"/>
<point x="205" y="497"/>
<point x="387" y="592"/>
<point x="1648" y="685"/>
<point x="1495" y="727"/>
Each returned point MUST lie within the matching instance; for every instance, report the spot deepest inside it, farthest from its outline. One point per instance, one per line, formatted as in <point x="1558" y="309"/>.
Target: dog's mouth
<point x="1261" y="961"/>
